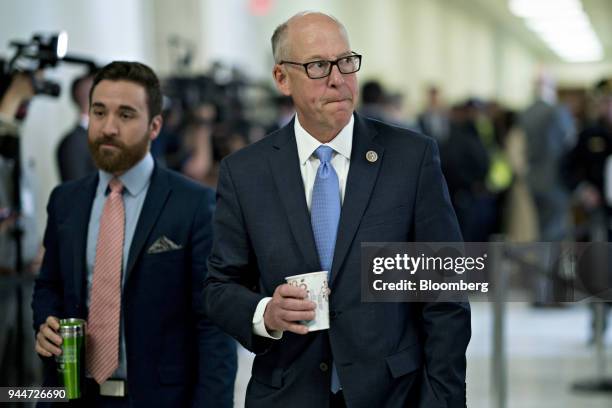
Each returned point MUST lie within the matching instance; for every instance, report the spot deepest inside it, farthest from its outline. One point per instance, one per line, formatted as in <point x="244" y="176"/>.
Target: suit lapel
<point x="360" y="182"/>
<point x="284" y="162"/>
<point x="158" y="193"/>
<point x="80" y="224"/>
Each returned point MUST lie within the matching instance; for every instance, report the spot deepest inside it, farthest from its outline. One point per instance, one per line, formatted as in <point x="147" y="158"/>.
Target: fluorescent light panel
<point x="563" y="26"/>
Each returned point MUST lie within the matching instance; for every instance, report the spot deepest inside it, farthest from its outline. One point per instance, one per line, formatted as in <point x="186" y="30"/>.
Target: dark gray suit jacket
<point x="262" y="233"/>
<point x="73" y="158"/>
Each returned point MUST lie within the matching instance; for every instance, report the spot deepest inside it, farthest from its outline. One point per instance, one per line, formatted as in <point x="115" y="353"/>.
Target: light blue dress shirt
<point x="136" y="184"/>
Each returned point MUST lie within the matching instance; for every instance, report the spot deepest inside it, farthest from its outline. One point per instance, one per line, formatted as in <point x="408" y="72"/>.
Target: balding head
<point x="281" y="39"/>
<point x="324" y="104"/>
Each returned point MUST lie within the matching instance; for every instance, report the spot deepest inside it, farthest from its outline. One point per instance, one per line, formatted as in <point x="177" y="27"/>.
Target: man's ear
<point x="281" y="79"/>
<point x="155" y="126"/>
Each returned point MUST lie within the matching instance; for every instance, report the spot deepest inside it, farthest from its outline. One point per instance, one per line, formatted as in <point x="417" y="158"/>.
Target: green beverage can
<point x="71" y="363"/>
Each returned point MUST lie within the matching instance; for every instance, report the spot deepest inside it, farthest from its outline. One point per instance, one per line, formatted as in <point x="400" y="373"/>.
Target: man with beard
<point x="304" y="199"/>
<point x="126" y="250"/>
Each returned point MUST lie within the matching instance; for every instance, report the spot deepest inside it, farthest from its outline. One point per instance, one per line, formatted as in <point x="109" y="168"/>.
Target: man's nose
<point x="109" y="126"/>
<point x="336" y="77"/>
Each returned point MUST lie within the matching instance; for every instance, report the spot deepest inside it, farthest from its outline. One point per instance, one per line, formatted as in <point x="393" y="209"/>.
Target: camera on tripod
<point x="40" y="52"/>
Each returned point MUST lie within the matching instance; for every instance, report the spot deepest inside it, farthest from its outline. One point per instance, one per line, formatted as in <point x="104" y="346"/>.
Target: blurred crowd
<point x="540" y="174"/>
<point x="532" y="175"/>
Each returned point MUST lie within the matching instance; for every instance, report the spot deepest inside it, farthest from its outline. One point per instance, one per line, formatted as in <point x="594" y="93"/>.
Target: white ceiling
<point x="599" y="11"/>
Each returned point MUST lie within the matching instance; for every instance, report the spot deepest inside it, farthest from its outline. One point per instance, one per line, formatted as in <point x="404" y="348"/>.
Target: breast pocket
<point x="161" y="276"/>
<point x="169" y="255"/>
<point x="167" y="265"/>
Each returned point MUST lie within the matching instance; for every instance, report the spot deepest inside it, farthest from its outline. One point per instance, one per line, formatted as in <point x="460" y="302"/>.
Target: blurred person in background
<point x="19" y="91"/>
<point x="166" y="147"/>
<point x="198" y="151"/>
<point x="434" y="121"/>
<point x="550" y="134"/>
<point x="13" y="96"/>
<point x="586" y="161"/>
<point x="466" y="162"/>
<point x="73" y="158"/>
<point x="394" y="111"/>
<point x="519" y="220"/>
<point x="126" y="249"/>
<point x="284" y="113"/>
<point x="492" y="130"/>
<point x="205" y="145"/>
<point x="227" y="138"/>
<point x="206" y="112"/>
<point x="377" y="103"/>
<point x="373" y="99"/>
<point x="589" y="172"/>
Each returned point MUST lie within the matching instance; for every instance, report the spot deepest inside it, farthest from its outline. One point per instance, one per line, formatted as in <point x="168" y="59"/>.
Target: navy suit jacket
<point x="175" y="356"/>
<point x="263" y="234"/>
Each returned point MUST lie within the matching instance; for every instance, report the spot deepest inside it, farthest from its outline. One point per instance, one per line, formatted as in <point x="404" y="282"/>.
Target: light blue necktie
<point x="324" y="216"/>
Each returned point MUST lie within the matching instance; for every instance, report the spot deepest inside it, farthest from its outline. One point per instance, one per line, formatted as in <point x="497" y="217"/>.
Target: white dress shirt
<point x="309" y="164"/>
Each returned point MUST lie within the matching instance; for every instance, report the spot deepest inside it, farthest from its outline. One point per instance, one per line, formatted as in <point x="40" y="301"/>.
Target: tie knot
<point x="324" y="153"/>
<point x="115" y="186"/>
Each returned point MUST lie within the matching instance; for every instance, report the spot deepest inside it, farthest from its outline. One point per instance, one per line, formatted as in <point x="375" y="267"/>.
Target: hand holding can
<point x="48" y="339"/>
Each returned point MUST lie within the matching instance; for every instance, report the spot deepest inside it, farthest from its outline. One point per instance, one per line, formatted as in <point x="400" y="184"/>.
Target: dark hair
<point x="75" y="85"/>
<point x="137" y="73"/>
<point x="372" y="92"/>
<point x="603" y="87"/>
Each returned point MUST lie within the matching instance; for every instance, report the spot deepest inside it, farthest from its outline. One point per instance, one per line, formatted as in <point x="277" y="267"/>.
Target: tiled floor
<point x="547" y="353"/>
<point x="546" y="349"/>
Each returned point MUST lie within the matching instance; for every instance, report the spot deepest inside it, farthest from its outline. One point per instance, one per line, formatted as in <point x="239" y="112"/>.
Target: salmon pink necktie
<point x="105" y="296"/>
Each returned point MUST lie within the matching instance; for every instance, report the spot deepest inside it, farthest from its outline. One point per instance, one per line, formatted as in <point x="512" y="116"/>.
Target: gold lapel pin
<point x="371" y="156"/>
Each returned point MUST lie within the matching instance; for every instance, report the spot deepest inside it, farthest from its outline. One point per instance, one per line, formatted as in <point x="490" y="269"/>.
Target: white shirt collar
<point x="307" y="144"/>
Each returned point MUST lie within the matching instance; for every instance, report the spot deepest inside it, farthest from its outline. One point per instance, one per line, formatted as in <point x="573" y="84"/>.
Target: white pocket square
<point x="163" y="244"/>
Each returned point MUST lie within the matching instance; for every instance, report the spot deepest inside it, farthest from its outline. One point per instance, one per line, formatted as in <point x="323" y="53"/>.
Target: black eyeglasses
<point x="322" y="68"/>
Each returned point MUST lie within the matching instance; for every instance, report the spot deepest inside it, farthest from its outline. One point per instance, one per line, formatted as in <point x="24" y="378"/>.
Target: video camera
<point x="42" y="51"/>
<point x="39" y="53"/>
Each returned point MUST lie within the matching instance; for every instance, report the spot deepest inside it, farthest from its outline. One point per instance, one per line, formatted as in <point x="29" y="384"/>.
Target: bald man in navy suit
<point x="271" y="222"/>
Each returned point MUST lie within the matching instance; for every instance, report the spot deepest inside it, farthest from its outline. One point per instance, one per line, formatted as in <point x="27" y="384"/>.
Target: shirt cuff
<point x="259" y="326"/>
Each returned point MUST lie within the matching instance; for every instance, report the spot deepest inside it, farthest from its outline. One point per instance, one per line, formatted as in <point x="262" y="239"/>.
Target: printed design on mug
<point x="301" y="284"/>
<point x="323" y="294"/>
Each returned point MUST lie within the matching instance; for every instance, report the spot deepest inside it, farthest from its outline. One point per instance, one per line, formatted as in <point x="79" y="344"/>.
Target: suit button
<point x="323" y="367"/>
<point x="333" y="314"/>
